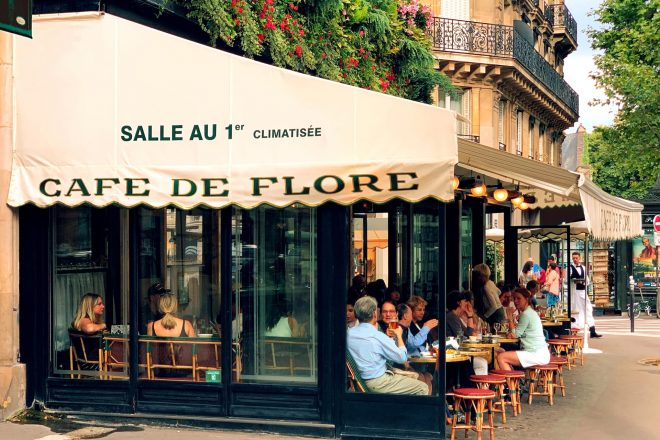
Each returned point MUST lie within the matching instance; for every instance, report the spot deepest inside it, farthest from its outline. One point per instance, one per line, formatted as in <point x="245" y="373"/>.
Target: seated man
<point x="372" y="349"/>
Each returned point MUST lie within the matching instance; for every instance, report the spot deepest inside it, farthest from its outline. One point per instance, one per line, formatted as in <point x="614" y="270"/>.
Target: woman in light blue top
<point x="530" y="331"/>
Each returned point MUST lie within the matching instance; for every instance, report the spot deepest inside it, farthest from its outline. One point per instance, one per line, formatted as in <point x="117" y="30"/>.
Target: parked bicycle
<point x="643" y="304"/>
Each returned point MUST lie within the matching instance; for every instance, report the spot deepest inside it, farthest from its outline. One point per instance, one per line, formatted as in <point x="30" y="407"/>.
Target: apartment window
<point x="461" y="103"/>
<point x="501" y="115"/>
<point x="519" y="132"/>
<point x="457" y="9"/>
<point x="530" y="137"/>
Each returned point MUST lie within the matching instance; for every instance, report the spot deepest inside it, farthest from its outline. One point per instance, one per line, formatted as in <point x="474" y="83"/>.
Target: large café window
<point x="274" y="294"/>
<point x="417" y="256"/>
<point x="85" y="255"/>
<point x="179" y="295"/>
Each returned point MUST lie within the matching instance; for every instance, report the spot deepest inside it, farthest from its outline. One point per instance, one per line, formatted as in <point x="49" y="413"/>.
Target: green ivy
<point x="373" y="44"/>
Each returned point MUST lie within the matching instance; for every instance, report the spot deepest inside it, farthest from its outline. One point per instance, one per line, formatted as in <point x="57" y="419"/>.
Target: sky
<point x="580" y="64"/>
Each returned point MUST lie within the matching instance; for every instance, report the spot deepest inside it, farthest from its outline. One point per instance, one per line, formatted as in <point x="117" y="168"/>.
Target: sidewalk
<point x="612" y="396"/>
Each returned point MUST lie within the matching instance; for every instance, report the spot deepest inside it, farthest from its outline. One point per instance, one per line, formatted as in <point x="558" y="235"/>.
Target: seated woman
<point x="169" y="325"/>
<point x="279" y="321"/>
<point x="460" y="318"/>
<point x="530" y="331"/>
<point x="89" y="315"/>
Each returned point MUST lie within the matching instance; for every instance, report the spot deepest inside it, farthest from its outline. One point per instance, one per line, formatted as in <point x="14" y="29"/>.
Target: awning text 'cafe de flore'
<point x="142" y="158"/>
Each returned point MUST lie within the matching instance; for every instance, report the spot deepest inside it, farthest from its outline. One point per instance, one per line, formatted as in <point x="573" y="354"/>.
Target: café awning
<point x="607" y="218"/>
<point x="113" y="112"/>
<point x="552" y="186"/>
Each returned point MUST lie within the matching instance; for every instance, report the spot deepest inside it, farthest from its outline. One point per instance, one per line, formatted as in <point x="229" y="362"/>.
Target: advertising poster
<point x="644" y="259"/>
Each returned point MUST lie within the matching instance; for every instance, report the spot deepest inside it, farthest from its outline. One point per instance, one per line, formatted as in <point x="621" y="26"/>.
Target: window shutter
<point x="457" y="9"/>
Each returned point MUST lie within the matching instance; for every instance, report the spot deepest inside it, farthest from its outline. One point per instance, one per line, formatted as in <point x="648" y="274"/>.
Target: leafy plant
<point x="374" y="44"/>
<point x="625" y="158"/>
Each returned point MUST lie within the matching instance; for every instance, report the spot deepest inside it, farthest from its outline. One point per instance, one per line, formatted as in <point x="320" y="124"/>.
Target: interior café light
<point x="500" y="194"/>
<point x="455" y="183"/>
<point x="516" y="201"/>
<point x="523" y="206"/>
<point x="479" y="189"/>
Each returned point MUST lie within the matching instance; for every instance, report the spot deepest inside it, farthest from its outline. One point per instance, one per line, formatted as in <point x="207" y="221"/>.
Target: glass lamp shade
<point x="454" y="183"/>
<point x="479" y="190"/>
<point x="517" y="201"/>
<point x="501" y="194"/>
<point x="523" y="206"/>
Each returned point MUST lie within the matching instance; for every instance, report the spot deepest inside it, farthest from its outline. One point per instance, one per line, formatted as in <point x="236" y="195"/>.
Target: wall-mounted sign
<point x="16" y="17"/>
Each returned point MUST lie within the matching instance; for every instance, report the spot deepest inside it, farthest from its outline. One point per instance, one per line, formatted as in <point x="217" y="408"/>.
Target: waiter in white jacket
<point x="578" y="275"/>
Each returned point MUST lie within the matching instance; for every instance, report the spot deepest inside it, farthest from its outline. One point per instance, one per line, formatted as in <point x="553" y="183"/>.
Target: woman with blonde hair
<point x="169" y="325"/>
<point x="89" y="315"/>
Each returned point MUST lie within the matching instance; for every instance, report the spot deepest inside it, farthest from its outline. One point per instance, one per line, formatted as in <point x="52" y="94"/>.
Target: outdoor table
<point x="475" y="352"/>
<point x="509" y="340"/>
<point x="488" y="346"/>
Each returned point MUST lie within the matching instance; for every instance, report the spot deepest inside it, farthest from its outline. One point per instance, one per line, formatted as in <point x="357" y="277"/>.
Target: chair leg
<point x="71" y="361"/>
<point x="532" y="386"/>
<point x="454" y="419"/>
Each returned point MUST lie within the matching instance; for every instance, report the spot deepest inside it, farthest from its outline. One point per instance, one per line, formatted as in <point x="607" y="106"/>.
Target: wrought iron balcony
<point x="558" y="16"/>
<point x="453" y="35"/>
<point x="526" y="55"/>
<point x="477" y="38"/>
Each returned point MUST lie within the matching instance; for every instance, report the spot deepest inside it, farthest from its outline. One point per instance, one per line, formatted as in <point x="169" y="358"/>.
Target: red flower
<point x="323" y="55"/>
<point x="261" y="37"/>
<point x="298" y="50"/>
<point x="239" y="10"/>
<point x="237" y="21"/>
<point x="361" y="33"/>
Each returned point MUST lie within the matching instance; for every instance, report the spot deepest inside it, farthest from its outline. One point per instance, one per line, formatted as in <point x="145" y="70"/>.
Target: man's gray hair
<point x="365" y="308"/>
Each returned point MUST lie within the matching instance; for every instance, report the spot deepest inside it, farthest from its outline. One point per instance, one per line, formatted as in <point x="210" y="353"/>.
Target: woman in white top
<point x="279" y="322"/>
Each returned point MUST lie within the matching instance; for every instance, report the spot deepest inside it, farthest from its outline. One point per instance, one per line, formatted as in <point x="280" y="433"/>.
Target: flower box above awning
<point x="113" y="112"/>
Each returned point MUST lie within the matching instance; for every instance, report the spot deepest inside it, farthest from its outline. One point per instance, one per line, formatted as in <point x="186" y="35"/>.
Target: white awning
<point x="112" y="112"/>
<point x="609" y="218"/>
<point x="552" y="186"/>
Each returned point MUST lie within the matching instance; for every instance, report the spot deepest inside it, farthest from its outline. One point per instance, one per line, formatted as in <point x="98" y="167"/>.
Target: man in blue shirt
<point x="372" y="349"/>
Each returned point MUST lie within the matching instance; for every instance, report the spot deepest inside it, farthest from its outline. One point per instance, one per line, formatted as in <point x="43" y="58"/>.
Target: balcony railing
<point x="526" y="55"/>
<point x="472" y="37"/>
<point x="559" y="15"/>
<point x="453" y="35"/>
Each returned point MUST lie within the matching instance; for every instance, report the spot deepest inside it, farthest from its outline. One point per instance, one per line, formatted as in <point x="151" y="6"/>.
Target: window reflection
<point x="179" y="281"/>
<point x="274" y="313"/>
<point x="82" y="287"/>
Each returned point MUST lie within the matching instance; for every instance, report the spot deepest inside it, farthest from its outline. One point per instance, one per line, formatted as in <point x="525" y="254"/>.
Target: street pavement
<point x="613" y="396"/>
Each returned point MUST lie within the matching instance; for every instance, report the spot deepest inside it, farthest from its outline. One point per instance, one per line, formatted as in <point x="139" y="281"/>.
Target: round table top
<point x="473" y="353"/>
<point x="509" y="340"/>
<point x="481" y="344"/>
<point x="456" y="358"/>
<point x="552" y="323"/>
<point x="422" y="360"/>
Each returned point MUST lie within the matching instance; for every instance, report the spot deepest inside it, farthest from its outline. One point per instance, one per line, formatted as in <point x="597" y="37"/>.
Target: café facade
<point x="142" y="158"/>
<point x="251" y="194"/>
